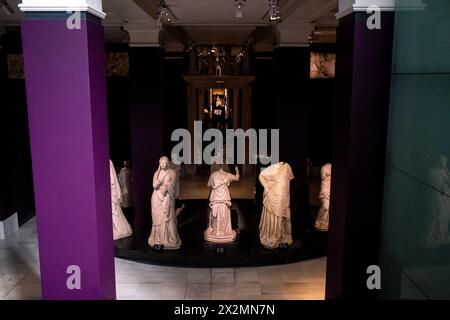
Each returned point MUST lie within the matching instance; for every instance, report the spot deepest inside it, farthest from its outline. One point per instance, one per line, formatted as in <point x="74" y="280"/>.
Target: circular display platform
<point x="246" y="250"/>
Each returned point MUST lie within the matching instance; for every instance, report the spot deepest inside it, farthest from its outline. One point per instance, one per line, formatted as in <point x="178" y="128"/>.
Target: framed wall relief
<point x="15" y="66"/>
<point x="323" y="65"/>
<point x="117" y="64"/>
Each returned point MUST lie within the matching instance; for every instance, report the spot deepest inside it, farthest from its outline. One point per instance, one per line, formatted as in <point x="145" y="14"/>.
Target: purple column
<point x="66" y="92"/>
<point x="363" y="69"/>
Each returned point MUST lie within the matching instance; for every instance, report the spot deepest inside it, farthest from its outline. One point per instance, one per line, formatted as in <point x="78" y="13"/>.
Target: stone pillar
<point x="359" y="148"/>
<point x="66" y="92"/>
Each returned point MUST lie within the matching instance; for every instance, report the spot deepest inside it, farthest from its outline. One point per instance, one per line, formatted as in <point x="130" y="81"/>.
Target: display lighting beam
<point x="239" y="4"/>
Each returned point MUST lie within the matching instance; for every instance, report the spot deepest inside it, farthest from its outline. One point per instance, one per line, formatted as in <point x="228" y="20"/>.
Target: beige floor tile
<point x="198" y="291"/>
<point x="222" y="291"/>
<point x="31" y="278"/>
<point x="11" y="279"/>
<point x="24" y="292"/>
<point x="126" y="290"/>
<point x="4" y="290"/>
<point x="222" y="277"/>
<point x="269" y="276"/>
<point x="272" y="288"/>
<point x="304" y="289"/>
<point x="246" y="275"/>
<point x="200" y="276"/>
<point x="245" y="290"/>
<point x="160" y="292"/>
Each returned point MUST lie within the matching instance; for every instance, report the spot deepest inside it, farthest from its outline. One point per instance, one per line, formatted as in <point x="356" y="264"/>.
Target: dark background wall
<point x="118" y="95"/>
<point x="16" y="176"/>
<point x="321" y="113"/>
<point x="175" y="111"/>
<point x="264" y="92"/>
<point x="146" y="114"/>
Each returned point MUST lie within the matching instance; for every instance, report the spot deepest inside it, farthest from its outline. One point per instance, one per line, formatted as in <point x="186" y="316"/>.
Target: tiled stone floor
<point x="19" y="277"/>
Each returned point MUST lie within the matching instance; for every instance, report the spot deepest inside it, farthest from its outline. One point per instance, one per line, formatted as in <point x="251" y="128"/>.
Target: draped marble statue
<point x="126" y="185"/>
<point x="439" y="205"/>
<point x="321" y="223"/>
<point x="121" y="227"/>
<point x="275" y="224"/>
<point x="164" y="221"/>
<point x="219" y="226"/>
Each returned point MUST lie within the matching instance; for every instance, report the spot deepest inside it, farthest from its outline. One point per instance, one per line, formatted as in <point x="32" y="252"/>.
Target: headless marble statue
<point x="437" y="233"/>
<point x="219" y="227"/>
<point x="121" y="227"/>
<point x="126" y="185"/>
<point x="321" y="223"/>
<point x="164" y="221"/>
<point x="275" y="224"/>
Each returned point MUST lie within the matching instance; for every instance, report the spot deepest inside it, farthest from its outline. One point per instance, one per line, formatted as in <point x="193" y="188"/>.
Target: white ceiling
<point x="206" y="21"/>
<point x="310" y="11"/>
<point x="217" y="12"/>
<point x="120" y="11"/>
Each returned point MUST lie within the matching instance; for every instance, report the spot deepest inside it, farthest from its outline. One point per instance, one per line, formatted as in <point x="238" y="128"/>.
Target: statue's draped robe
<point x="121" y="227"/>
<point x="275" y="224"/>
<point x="439" y="207"/>
<point x="323" y="216"/>
<point x="219" y="227"/>
<point x="126" y="187"/>
<point x="164" y="222"/>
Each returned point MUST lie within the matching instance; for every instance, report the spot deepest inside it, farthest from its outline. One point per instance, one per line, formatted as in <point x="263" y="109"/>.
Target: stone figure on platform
<point x="321" y="223"/>
<point x="437" y="234"/>
<point x="121" y="227"/>
<point x="125" y="182"/>
<point x="164" y="221"/>
<point x="219" y="226"/>
<point x="275" y="224"/>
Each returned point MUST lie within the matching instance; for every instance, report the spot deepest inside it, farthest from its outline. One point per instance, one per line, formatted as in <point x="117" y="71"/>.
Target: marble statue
<point x="126" y="185"/>
<point x="219" y="226"/>
<point x="321" y="223"/>
<point x="121" y="227"/>
<point x="437" y="233"/>
<point x="275" y="224"/>
<point x="164" y="221"/>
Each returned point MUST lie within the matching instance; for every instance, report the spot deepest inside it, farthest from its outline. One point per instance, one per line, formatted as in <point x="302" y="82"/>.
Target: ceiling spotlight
<point x="239" y="4"/>
<point x="274" y="11"/>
